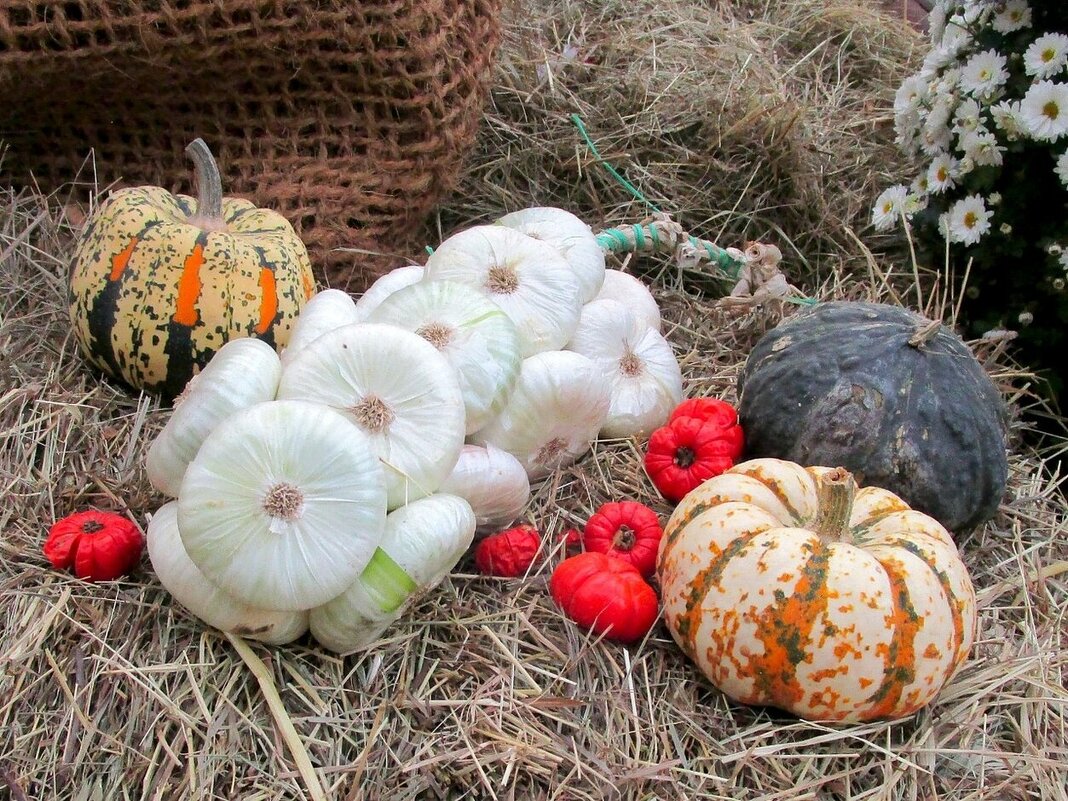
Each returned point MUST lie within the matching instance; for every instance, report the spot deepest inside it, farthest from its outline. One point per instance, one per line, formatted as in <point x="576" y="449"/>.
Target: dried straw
<point x="483" y="690"/>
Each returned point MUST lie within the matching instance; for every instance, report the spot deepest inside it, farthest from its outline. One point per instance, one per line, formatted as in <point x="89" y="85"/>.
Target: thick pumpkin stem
<point x="834" y="496"/>
<point x="209" y="187"/>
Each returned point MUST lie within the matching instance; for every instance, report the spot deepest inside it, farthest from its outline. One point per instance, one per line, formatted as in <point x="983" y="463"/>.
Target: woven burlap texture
<point x="351" y="118"/>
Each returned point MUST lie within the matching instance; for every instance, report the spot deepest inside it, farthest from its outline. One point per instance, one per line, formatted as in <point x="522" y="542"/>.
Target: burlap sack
<point x="349" y="117"/>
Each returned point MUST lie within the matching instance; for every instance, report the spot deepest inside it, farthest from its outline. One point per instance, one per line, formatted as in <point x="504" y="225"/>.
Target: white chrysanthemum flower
<point x="1007" y="118"/>
<point x="909" y="96"/>
<point x="920" y="187"/>
<point x="984" y="74"/>
<point x="1015" y="15"/>
<point x="908" y="140"/>
<point x="914" y="203"/>
<point x="1062" y="168"/>
<point x="1063" y="258"/>
<point x="983" y="148"/>
<point x="968" y="220"/>
<point x="936" y="136"/>
<point x="1046" y="56"/>
<point x="1044" y="110"/>
<point x="942" y="173"/>
<point x="967" y="117"/>
<point x="936" y="22"/>
<point x="938" y="58"/>
<point x="976" y="12"/>
<point x="889" y="207"/>
<point x="957" y="37"/>
<point x="946" y="84"/>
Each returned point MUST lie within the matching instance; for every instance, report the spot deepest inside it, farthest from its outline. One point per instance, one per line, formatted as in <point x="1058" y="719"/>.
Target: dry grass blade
<point x="281" y="717"/>
<point x="750" y="119"/>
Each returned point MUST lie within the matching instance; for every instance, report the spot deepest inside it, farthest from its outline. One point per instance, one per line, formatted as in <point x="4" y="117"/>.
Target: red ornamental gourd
<point x="99" y="546"/>
<point x="690" y="450"/>
<point x="605" y="595"/>
<point x="789" y="587"/>
<point x="712" y="409"/>
<point x="509" y="553"/>
<point x="625" y="530"/>
<point x="160" y="282"/>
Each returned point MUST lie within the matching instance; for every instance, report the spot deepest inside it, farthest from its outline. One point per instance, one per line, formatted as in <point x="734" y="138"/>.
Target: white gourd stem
<point x="209" y="186"/>
<point x="834" y="497"/>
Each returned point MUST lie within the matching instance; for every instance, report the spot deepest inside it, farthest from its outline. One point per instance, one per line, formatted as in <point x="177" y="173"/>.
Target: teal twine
<point x="647" y="238"/>
<point x="577" y="120"/>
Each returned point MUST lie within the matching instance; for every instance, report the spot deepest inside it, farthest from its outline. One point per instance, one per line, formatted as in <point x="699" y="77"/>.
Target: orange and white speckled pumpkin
<point x="790" y="587"/>
<point x="160" y="282"/>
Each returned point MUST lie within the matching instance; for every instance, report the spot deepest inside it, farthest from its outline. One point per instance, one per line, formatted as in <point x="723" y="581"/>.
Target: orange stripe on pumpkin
<point x="268" y="300"/>
<point x="190" y="286"/>
<point x="785" y="629"/>
<point x="904" y="623"/>
<point x="121" y="259"/>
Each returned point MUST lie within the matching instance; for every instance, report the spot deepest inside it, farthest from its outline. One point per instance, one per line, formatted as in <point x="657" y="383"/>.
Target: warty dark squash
<point x="895" y="398"/>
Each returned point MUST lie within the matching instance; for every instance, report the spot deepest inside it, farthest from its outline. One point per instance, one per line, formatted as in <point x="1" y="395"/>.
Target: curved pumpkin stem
<point x="209" y="187"/>
<point x="834" y="498"/>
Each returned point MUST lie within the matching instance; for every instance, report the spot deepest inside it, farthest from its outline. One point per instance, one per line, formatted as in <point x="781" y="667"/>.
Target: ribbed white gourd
<point x="216" y="607"/>
<point x="423" y="541"/>
<point x="575" y="241"/>
<point x="476" y="337"/>
<point x="641" y="368"/>
<point x="283" y="505"/>
<point x="558" y="405"/>
<point x="398" y="389"/>
<point x="633" y="294"/>
<point x="386" y="285"/>
<point x="528" y="279"/>
<point x="242" y="373"/>
<point x="493" y="481"/>
<point x="327" y="310"/>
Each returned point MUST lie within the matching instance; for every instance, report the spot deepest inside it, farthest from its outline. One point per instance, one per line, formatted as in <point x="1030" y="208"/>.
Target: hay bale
<point x="744" y="120"/>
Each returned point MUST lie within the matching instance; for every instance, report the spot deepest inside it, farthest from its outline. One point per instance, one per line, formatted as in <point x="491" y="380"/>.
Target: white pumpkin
<point x="528" y="279"/>
<point x="242" y="373"/>
<point x="284" y="505"/>
<point x="386" y="285"/>
<point x="472" y="332"/>
<point x="493" y="481"/>
<point x="325" y="311"/>
<point x="559" y="404"/>
<point x="398" y="389"/>
<point x="569" y="235"/>
<point x="216" y="607"/>
<point x="633" y="294"/>
<point x="423" y="541"/>
<point x="641" y="368"/>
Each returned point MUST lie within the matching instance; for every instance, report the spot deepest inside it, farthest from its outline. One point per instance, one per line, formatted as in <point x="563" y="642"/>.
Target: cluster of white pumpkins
<point x="326" y="487"/>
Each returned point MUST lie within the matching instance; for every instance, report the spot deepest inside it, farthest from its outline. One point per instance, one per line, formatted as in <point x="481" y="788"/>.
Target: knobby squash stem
<point x="834" y="496"/>
<point x="209" y="186"/>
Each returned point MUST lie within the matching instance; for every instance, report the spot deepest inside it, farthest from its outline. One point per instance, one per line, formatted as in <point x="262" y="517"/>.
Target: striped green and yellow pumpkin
<point x="789" y="587"/>
<point x="159" y="282"/>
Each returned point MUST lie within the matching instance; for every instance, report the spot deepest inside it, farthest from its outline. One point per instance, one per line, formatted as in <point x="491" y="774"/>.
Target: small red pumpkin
<point x="689" y="450"/>
<point x="605" y="595"/>
<point x="509" y="553"/>
<point x="100" y="546"/>
<point x="706" y="409"/>
<point x="625" y="530"/>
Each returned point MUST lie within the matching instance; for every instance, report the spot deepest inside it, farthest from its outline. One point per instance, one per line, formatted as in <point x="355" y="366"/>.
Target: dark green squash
<point x="895" y="398"/>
